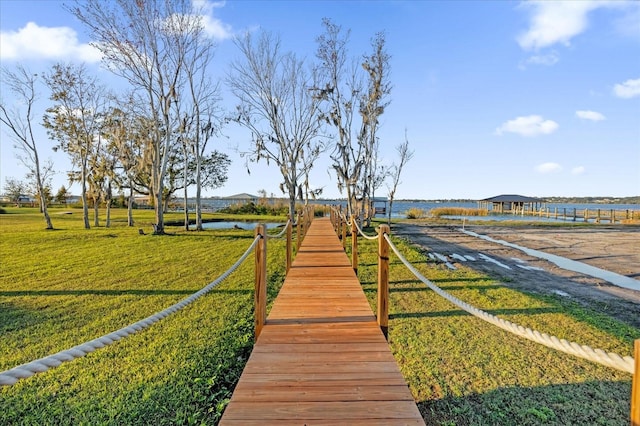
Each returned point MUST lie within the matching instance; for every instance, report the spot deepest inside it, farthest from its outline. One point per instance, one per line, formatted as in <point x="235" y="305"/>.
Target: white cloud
<point x="553" y="22"/>
<point x="546" y="60"/>
<point x="213" y="27"/>
<point x="546" y="168"/>
<point x="590" y="115"/>
<point x="628" y="89"/>
<point x="578" y="170"/>
<point x="36" y="42"/>
<point x="532" y="125"/>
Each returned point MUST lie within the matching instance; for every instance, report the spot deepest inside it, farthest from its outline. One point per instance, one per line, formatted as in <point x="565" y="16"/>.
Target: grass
<point x="63" y="287"/>
<point x="463" y="371"/>
<point x="60" y="288"/>
<point x="457" y="211"/>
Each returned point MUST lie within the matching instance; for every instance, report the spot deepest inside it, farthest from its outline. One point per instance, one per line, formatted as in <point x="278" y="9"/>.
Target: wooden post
<point x="344" y="234"/>
<point x="612" y="217"/>
<point x="598" y="218"/>
<point x="383" y="280"/>
<point x="289" y="245"/>
<point x="635" y="387"/>
<point x="354" y="245"/>
<point x="260" y="294"/>
<point x="298" y="233"/>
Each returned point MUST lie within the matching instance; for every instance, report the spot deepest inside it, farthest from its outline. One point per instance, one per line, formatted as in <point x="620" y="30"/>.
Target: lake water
<point x="400" y="207"/>
<point x="226" y="224"/>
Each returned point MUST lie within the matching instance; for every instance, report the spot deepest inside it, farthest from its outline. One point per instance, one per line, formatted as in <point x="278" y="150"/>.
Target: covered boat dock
<point x="512" y="204"/>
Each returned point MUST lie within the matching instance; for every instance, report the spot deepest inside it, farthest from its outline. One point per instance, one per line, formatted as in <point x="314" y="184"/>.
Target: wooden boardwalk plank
<point x="321" y="358"/>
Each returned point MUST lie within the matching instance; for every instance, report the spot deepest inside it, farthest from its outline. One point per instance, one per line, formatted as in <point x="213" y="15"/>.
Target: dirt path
<point x="614" y="249"/>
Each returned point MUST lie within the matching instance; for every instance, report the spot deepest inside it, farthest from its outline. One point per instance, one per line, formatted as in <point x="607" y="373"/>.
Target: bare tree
<point x="277" y="106"/>
<point x="19" y="126"/>
<point x="339" y="90"/>
<point x="205" y="118"/>
<point x="355" y="156"/>
<point x="404" y="155"/>
<point x="373" y="103"/>
<point x="146" y="43"/>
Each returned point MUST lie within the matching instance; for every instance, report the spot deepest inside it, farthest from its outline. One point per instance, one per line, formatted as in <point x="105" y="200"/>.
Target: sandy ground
<point x="615" y="249"/>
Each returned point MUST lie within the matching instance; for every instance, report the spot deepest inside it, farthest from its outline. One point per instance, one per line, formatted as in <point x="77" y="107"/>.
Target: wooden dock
<point x="321" y="358"/>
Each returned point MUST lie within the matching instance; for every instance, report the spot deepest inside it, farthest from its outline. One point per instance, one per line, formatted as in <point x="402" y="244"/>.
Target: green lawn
<point x="63" y="287"/>
<point x="464" y="371"/>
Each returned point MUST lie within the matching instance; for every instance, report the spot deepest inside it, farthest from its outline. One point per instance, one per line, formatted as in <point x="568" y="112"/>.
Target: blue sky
<point x="539" y="99"/>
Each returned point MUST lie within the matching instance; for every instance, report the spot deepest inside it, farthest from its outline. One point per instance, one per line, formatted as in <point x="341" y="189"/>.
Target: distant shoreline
<point x="550" y="200"/>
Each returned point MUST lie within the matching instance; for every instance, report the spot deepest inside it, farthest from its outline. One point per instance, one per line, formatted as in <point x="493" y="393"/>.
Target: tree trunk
<point x="107" y="200"/>
<point x="83" y="196"/>
<point x="96" y="211"/>
<point x="292" y="205"/>
<point x="40" y="187"/>
<point x="130" y="205"/>
<point x="186" y="204"/>
<point x="198" y="191"/>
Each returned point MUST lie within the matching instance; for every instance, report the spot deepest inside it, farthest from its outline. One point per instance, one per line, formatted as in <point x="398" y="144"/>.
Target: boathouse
<point x="511" y="203"/>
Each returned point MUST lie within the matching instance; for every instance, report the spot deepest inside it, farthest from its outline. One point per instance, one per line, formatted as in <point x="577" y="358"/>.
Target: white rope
<point x="281" y="232"/>
<point x="344" y="217"/>
<point x="41" y="365"/>
<point x="361" y="232"/>
<point x="596" y="355"/>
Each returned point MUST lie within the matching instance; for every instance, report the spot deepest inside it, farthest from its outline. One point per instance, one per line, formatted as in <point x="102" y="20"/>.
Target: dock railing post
<point x="354" y="245"/>
<point x="298" y="233"/>
<point x="635" y="387"/>
<point x="260" y="294"/>
<point x="344" y="234"/>
<point x="289" y="245"/>
<point x="383" y="280"/>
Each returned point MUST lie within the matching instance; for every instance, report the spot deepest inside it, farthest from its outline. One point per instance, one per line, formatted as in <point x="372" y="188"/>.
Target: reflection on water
<point x="242" y="225"/>
<point x="571" y="265"/>
<point x="501" y="218"/>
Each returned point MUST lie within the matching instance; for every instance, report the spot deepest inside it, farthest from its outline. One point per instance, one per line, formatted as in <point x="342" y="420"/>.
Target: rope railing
<point x="599" y="356"/>
<point x="281" y="233"/>
<point x="23" y="371"/>
<point x="351" y="222"/>
<point x="361" y="232"/>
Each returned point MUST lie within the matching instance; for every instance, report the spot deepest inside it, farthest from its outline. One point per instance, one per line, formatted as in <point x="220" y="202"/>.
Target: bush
<point x="416" y="213"/>
<point x="2" y="211"/>
<point x="457" y="211"/>
<point x="257" y="209"/>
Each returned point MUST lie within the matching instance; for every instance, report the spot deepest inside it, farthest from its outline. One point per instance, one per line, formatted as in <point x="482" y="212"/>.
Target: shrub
<point x="257" y="209"/>
<point x="457" y="211"/>
<point x="416" y="213"/>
